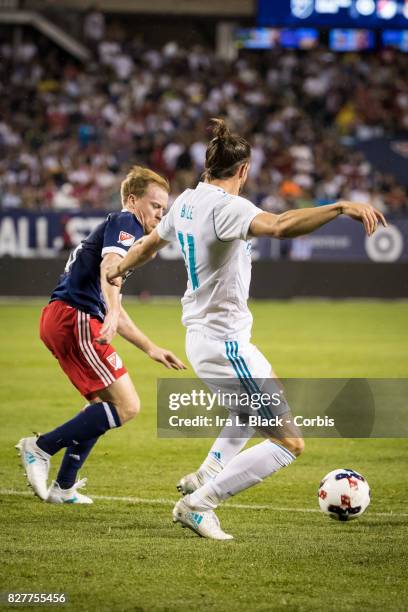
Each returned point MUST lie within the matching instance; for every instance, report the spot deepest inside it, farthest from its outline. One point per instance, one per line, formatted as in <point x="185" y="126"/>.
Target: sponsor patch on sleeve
<point x="126" y="239"/>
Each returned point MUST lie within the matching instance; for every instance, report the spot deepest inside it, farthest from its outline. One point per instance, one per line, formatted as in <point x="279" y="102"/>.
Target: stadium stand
<point x="68" y="131"/>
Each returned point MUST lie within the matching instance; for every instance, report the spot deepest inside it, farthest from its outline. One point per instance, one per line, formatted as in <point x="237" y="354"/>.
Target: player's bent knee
<point x="295" y="445"/>
<point x="133" y="409"/>
<point x="129" y="410"/>
<point x="300" y="447"/>
<point x="124" y="397"/>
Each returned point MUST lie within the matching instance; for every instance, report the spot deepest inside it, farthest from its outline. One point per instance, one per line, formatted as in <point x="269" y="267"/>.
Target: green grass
<point x="121" y="555"/>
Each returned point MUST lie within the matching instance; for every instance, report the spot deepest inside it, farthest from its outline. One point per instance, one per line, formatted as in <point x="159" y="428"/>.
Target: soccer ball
<point x="344" y="494"/>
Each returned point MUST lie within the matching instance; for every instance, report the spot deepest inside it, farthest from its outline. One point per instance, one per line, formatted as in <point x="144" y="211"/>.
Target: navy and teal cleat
<point x="205" y="523"/>
<point x="56" y="495"/>
<point x="36" y="464"/>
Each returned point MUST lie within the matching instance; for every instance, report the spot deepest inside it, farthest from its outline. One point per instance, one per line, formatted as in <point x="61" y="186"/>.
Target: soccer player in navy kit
<point x="78" y="325"/>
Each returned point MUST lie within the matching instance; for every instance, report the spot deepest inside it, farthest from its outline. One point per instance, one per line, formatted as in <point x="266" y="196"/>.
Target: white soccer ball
<point x="344" y="494"/>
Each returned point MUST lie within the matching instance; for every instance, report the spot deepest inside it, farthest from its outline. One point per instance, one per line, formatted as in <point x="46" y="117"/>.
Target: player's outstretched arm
<point x="111" y="296"/>
<point x="140" y="253"/>
<point x="305" y="220"/>
<point x="128" y="330"/>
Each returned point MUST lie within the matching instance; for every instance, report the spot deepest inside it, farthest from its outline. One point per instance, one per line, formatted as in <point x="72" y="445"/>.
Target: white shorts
<point x="240" y="364"/>
<point x="213" y="358"/>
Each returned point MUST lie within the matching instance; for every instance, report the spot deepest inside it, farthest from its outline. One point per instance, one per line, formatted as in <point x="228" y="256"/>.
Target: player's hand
<point x="113" y="276"/>
<point x="108" y="329"/>
<point x="167" y="358"/>
<point x="368" y="215"/>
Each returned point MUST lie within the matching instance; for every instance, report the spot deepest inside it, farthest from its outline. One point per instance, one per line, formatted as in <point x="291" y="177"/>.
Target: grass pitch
<point x="125" y="554"/>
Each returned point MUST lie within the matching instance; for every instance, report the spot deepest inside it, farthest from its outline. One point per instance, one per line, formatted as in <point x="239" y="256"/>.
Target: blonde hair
<point x="137" y="181"/>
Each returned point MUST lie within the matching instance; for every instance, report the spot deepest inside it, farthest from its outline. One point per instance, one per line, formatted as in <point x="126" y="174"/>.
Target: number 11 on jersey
<point x="189" y="257"/>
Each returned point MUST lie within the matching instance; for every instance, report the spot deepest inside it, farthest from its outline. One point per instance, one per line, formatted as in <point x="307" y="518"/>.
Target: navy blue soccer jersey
<point x="80" y="285"/>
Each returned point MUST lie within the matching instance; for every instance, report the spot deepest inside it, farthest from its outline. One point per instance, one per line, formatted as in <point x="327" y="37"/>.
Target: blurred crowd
<point x="69" y="132"/>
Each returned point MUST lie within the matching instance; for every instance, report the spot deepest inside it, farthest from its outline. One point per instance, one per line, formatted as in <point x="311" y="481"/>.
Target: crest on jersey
<point x="126" y="239"/>
<point x="115" y="361"/>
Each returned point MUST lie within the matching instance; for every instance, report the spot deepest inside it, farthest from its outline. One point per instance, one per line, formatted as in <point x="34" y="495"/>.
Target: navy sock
<point x="90" y="423"/>
<point x="74" y="458"/>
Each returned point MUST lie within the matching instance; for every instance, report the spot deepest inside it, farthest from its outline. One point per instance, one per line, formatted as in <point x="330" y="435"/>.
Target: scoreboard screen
<point x="269" y="38"/>
<point x="396" y="38"/>
<point x="334" y="13"/>
<point x="351" y="40"/>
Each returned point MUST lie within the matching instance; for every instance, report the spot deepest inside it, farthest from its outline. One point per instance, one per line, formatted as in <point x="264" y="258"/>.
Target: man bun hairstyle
<point x="225" y="153"/>
<point x="138" y="180"/>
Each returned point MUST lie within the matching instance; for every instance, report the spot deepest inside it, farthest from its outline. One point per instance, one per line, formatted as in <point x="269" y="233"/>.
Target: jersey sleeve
<point x="232" y="220"/>
<point x="166" y="229"/>
<point x="121" y="232"/>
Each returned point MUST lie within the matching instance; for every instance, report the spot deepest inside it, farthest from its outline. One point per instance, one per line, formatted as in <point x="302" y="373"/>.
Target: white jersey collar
<point x="201" y="184"/>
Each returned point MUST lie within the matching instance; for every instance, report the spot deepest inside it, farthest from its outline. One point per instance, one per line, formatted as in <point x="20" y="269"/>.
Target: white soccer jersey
<point x="211" y="227"/>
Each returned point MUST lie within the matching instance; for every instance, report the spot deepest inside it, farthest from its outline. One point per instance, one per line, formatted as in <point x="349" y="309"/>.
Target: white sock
<point x="246" y="470"/>
<point x="225" y="448"/>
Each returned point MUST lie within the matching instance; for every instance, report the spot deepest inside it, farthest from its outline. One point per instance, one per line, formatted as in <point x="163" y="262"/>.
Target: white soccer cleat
<point x="206" y="523"/>
<point x="56" y="495"/>
<point x="36" y="463"/>
<point x="189" y="483"/>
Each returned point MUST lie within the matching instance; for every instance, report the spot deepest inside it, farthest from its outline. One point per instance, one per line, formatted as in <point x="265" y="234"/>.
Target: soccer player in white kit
<point x="212" y="225"/>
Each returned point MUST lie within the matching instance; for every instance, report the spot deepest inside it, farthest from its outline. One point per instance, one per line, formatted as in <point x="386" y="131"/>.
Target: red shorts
<point x="70" y="336"/>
